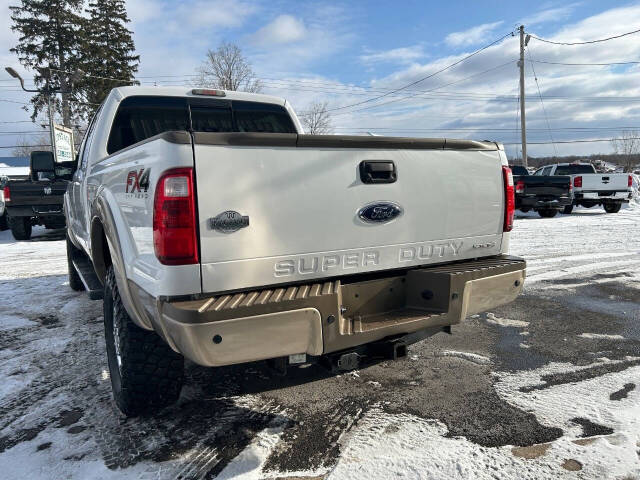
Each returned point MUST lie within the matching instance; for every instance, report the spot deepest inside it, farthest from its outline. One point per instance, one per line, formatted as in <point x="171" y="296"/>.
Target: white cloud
<point x="548" y="15"/>
<point x="198" y="14"/>
<point x="313" y="36"/>
<point x="471" y="36"/>
<point x="283" y="29"/>
<point x="210" y="14"/>
<point x="395" y="55"/>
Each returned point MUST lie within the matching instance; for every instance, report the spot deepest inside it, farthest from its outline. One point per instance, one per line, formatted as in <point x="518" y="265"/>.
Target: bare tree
<point x="26" y="145"/>
<point x="628" y="146"/>
<point x="317" y="119"/>
<point x="227" y="68"/>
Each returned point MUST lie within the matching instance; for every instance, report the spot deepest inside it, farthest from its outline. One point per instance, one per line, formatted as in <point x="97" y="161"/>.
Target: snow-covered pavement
<point x="547" y="387"/>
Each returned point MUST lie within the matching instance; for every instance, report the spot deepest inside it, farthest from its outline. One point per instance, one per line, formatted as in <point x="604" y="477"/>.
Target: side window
<point x="538" y="172"/>
<point x="86" y="142"/>
<point x="547" y="171"/>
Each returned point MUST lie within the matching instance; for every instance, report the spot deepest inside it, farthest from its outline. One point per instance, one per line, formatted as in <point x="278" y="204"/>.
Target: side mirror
<point x="42" y="165"/>
<point x="65" y="170"/>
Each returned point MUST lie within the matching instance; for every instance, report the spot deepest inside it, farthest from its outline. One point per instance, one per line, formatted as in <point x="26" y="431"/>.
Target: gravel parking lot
<point x="546" y="387"/>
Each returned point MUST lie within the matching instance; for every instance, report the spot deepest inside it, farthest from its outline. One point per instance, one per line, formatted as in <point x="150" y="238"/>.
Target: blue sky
<point x="347" y="52"/>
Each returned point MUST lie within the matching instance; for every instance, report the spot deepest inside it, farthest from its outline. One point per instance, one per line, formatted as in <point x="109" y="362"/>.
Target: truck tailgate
<point x="303" y="209"/>
<point x="605" y="181"/>
<point x="34" y="193"/>
<point x="552" y="186"/>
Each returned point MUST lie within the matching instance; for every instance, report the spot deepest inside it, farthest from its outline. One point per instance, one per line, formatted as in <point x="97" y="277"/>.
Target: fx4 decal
<point x="138" y="182"/>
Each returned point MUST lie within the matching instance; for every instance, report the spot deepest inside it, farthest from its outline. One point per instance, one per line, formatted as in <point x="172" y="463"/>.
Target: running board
<point x="87" y="274"/>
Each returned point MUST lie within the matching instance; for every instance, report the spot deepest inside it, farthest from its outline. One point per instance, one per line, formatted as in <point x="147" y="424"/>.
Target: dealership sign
<point x="64" y="149"/>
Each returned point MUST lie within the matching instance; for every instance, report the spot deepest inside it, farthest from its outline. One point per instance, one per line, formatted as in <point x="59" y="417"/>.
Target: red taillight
<point x="577" y="182"/>
<point x="174" y="218"/>
<point x="6" y="193"/>
<point x="520" y="186"/>
<point x="629" y="181"/>
<point x="509" y="199"/>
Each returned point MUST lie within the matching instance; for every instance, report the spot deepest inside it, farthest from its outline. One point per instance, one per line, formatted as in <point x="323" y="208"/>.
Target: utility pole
<point x="523" y="123"/>
<point x="52" y="134"/>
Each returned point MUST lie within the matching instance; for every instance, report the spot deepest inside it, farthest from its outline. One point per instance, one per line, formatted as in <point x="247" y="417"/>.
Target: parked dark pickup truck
<point x="546" y="195"/>
<point x="38" y="199"/>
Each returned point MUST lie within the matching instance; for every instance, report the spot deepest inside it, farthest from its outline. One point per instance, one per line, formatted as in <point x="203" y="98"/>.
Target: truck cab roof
<point x="120" y="93"/>
<point x="571" y="163"/>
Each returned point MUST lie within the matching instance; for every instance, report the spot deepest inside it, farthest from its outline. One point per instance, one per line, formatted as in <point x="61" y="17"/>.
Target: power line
<point x="13" y="101"/>
<point x="587" y="64"/>
<point x="584" y="43"/>
<point x="426" y="77"/>
<point x="478" y="129"/>
<point x="595" y="140"/>
<point x="427" y="91"/>
<point x="30" y="146"/>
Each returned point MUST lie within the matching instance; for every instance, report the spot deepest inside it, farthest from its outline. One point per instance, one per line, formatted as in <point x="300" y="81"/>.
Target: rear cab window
<point x="574" y="169"/>
<point x="142" y="117"/>
<point x="519" y="171"/>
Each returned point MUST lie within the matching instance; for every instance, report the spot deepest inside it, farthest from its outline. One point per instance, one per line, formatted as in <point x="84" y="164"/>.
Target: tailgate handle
<point x="378" y="171"/>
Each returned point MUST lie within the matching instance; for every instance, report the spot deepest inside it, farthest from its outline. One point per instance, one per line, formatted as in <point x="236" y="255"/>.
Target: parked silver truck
<point x="214" y="229"/>
<point x="590" y="188"/>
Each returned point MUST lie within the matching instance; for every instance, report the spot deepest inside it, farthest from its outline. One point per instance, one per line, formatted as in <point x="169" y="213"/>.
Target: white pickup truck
<point x="215" y="230"/>
<point x="590" y="188"/>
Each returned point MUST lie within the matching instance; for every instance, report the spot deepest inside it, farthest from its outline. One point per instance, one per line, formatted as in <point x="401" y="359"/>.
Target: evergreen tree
<point x="109" y="52"/>
<point x="49" y="45"/>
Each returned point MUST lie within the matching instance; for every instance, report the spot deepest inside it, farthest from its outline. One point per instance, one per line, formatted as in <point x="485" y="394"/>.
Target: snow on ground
<point x="405" y="446"/>
<point x="470" y="357"/>
<point x="578" y="245"/>
<point x="579" y="250"/>
<point x="600" y="336"/>
<point x="17" y="171"/>
<point x="602" y="454"/>
<point x="505" y="322"/>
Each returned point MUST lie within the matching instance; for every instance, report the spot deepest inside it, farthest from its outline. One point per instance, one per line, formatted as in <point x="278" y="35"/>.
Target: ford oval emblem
<point x="379" y="212"/>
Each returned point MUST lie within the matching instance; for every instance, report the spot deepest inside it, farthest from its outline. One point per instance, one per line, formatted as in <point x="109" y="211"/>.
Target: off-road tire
<point x="20" y="227"/>
<point x="150" y="374"/>
<point x="74" y="279"/>
<point x="548" y="212"/>
<point x="4" y="225"/>
<point x="567" y="210"/>
<point x="612" y="207"/>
